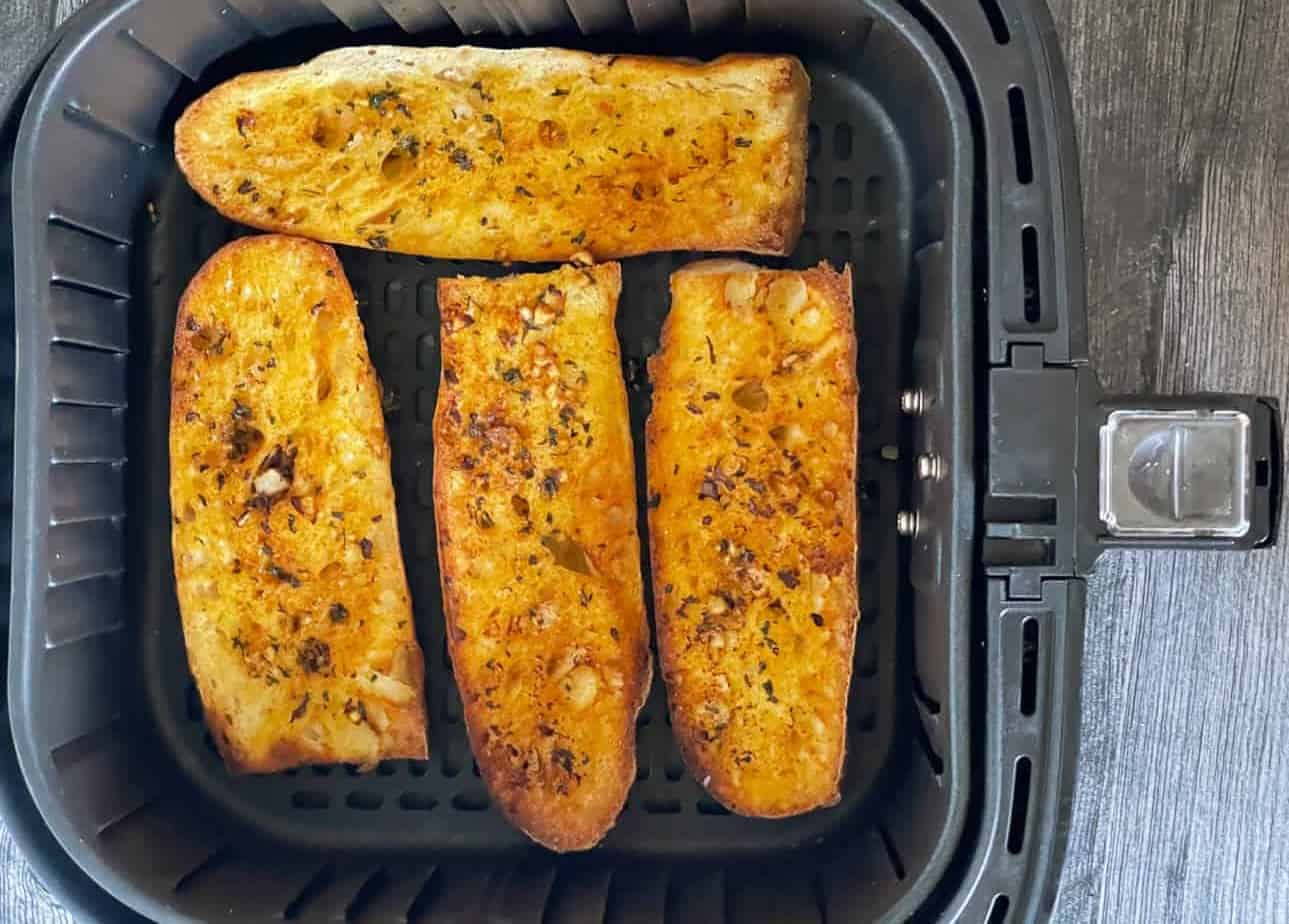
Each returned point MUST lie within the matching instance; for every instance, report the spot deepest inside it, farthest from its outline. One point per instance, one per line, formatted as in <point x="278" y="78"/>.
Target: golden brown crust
<point x="534" y="497"/>
<point x="524" y="154"/>
<point x="751" y="452"/>
<point x="295" y="606"/>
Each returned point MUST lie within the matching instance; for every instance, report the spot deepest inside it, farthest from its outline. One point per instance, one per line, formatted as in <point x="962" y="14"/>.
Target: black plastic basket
<point x="942" y="165"/>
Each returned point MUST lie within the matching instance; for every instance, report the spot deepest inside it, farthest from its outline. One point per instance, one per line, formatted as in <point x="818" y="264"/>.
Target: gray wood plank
<point x="23" y="900"/>
<point x="1180" y="814"/>
<point x="24" y="24"/>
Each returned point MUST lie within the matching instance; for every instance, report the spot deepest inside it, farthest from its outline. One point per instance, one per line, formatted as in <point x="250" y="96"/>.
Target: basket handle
<point x="1193" y="471"/>
<point x="1071" y="473"/>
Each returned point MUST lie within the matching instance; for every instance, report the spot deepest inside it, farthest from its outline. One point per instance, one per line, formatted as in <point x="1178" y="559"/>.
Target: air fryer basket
<point x="941" y="166"/>
<point x="160" y="822"/>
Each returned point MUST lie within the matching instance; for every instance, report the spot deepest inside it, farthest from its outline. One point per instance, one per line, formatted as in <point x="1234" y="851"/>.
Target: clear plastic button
<point x="1175" y="473"/>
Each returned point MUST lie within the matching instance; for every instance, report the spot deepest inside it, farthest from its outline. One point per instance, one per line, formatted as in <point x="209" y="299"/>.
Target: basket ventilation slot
<point x="417" y="802"/>
<point x="998" y="910"/>
<point x="310" y="799"/>
<point x="997" y="21"/>
<point x="1029" y="666"/>
<point x="364" y="801"/>
<point x="1020" y="805"/>
<point x="1020" y="136"/>
<point x="475" y="801"/>
<point x="1029" y="256"/>
<point x="662" y="806"/>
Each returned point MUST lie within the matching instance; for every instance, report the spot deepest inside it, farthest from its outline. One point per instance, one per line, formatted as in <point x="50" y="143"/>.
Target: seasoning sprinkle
<point x="461" y="158"/>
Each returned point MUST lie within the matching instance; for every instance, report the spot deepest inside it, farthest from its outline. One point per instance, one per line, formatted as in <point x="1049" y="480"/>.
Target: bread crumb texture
<point x="535" y="503"/>
<point x="524" y="154"/>
<point x="295" y="606"/>
<point x="753" y="529"/>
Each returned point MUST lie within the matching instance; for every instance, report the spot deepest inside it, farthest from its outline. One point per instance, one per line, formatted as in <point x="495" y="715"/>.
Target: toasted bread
<point x="753" y="529"/>
<point x="525" y="154"/>
<point x="534" y="496"/>
<point x="295" y="607"/>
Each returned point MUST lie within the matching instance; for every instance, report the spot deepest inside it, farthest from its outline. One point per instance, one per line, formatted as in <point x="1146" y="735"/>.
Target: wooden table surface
<point x="1182" y="812"/>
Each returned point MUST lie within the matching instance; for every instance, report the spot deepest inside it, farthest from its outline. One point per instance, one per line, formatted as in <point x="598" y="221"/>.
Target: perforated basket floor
<point x="106" y="727"/>
<point x="859" y="218"/>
